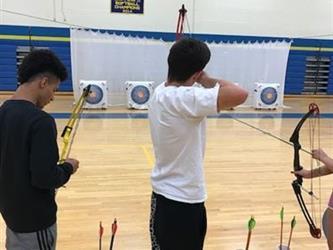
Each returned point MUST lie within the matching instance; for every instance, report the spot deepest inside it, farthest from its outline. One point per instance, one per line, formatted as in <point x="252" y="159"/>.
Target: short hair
<point x="186" y="57"/>
<point x="38" y="62"/>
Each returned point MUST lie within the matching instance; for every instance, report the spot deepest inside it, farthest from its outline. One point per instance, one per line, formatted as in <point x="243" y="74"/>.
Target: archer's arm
<point x="320" y="155"/>
<point x="230" y="95"/>
<point x="327" y="169"/>
<point x="44" y="171"/>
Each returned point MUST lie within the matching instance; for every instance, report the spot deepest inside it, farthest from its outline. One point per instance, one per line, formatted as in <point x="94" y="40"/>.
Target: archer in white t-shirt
<point x="177" y="116"/>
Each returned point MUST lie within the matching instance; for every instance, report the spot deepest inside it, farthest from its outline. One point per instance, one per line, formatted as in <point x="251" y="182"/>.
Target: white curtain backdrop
<point x="248" y="63"/>
<point x="117" y="59"/>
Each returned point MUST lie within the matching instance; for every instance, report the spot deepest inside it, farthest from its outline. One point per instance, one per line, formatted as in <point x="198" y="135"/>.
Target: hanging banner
<point x="127" y="6"/>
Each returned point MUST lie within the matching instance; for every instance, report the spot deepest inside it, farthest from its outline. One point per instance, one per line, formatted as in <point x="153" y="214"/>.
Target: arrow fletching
<point x="114" y="227"/>
<point x="293" y="222"/>
<point x="251" y="223"/>
<point x="101" y="229"/>
<point x="282" y="213"/>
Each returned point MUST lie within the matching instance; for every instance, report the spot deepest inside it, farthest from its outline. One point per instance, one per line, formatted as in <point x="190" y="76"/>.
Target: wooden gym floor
<point x="247" y="173"/>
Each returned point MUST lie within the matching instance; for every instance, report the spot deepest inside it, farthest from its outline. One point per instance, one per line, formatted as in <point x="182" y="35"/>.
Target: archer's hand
<point x="205" y="80"/>
<point x="74" y="163"/>
<point x="319" y="154"/>
<point x="303" y="173"/>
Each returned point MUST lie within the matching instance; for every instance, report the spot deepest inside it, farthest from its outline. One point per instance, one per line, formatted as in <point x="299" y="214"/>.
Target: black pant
<point x="176" y="225"/>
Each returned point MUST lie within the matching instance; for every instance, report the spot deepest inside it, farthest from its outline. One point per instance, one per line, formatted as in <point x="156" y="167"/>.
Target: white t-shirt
<point x="177" y="117"/>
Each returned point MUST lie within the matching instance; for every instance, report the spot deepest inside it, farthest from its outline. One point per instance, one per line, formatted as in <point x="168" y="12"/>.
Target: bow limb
<point x="294" y="139"/>
<point x="315" y="232"/>
<point x="69" y="130"/>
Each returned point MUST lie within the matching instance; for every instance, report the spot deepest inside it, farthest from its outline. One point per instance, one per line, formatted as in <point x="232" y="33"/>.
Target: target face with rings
<point x="95" y="95"/>
<point x="268" y="95"/>
<point x="140" y="94"/>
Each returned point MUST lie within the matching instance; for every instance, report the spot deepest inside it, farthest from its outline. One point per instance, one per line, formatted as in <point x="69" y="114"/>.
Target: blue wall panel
<point x="297" y="65"/>
<point x="330" y="78"/>
<point x="8" y="70"/>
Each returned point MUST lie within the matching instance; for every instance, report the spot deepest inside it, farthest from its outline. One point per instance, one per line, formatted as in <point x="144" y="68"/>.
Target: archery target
<point x="269" y="95"/>
<point x="266" y="95"/>
<point x="97" y="97"/>
<point x="138" y="94"/>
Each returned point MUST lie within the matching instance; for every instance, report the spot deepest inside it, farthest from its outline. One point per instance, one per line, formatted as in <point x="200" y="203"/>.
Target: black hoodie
<point x="29" y="173"/>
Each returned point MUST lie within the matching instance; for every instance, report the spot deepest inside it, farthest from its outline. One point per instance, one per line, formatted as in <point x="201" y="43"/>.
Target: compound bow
<point x="297" y="183"/>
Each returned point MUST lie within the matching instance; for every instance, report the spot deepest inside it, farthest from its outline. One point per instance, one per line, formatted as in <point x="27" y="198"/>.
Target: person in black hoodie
<point x="29" y="169"/>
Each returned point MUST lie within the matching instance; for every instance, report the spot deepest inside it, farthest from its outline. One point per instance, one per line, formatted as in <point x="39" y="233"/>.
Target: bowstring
<point x="319" y="180"/>
<point x="314" y="126"/>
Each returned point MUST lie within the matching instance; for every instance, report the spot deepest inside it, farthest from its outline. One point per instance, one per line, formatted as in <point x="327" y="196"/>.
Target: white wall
<point x="294" y="18"/>
<point x="291" y="18"/>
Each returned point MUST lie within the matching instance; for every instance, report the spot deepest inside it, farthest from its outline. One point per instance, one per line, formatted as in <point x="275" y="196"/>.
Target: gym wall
<point x="306" y="22"/>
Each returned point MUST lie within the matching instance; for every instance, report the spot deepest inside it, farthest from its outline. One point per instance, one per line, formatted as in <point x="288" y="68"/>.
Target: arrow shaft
<point x="248" y="240"/>
<point x="281" y="233"/>
<point x="290" y="235"/>
<point x="111" y="243"/>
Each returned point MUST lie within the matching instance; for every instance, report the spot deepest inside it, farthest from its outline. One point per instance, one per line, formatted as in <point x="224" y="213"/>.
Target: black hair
<point x="186" y="57"/>
<point x="38" y="62"/>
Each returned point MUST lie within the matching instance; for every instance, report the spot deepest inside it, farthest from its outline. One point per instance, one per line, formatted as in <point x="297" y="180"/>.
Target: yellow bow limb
<point x="67" y="139"/>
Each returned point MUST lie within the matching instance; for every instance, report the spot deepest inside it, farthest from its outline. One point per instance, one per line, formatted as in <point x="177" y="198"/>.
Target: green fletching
<point x="252" y="223"/>
<point x="293" y="222"/>
<point x="282" y="213"/>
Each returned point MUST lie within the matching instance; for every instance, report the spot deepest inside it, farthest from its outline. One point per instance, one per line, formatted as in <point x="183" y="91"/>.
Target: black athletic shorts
<point x="177" y="225"/>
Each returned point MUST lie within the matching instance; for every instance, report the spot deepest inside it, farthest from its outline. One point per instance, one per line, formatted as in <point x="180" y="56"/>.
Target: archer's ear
<point x="43" y="82"/>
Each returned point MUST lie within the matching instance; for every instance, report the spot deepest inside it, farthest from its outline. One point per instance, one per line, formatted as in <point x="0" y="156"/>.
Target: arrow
<point x="114" y="230"/>
<point x="101" y="230"/>
<point x="251" y="225"/>
<point x="281" y="232"/>
<point x="292" y="225"/>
